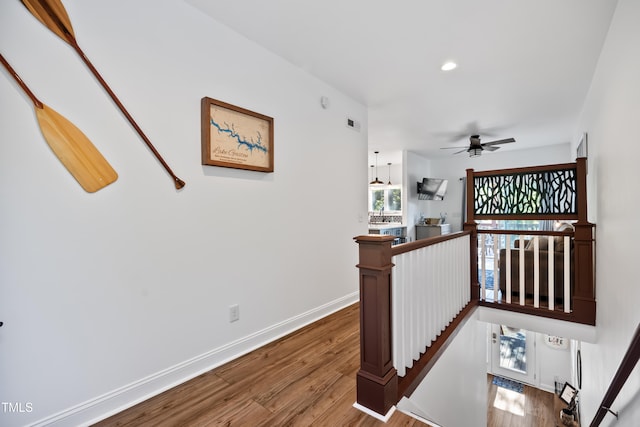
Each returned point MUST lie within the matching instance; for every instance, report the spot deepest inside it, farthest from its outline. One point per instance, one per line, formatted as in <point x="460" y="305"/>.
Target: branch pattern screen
<point x="537" y="193"/>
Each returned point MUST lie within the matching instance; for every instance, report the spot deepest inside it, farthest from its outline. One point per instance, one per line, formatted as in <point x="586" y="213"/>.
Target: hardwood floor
<point x="532" y="408"/>
<point x="307" y="378"/>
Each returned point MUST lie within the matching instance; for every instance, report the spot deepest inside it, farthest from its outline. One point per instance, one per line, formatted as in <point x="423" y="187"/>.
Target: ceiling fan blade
<point x="490" y="148"/>
<point x="501" y="141"/>
<point x="471" y="128"/>
<point x="452" y="148"/>
<point x="461" y="151"/>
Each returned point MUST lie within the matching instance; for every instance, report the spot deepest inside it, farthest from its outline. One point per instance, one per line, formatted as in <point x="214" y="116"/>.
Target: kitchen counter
<point x="424" y="231"/>
<point x="385" y="225"/>
<point x="390" y="229"/>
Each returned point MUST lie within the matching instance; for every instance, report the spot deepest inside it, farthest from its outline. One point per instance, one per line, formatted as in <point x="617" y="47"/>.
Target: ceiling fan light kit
<point x="476" y="147"/>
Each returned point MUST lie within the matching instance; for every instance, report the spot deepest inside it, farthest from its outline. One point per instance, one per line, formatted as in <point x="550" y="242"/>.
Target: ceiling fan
<point x="476" y="147"/>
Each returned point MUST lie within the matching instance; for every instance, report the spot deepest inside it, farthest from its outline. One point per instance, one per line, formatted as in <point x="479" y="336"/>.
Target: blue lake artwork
<point x="249" y="144"/>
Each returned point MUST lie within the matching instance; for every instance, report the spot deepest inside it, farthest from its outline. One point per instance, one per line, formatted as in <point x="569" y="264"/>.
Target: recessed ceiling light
<point x="448" y="66"/>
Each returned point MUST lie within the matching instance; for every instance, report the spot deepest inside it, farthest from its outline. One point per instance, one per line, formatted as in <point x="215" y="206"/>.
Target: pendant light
<point x="376" y="181"/>
<point x="389" y="164"/>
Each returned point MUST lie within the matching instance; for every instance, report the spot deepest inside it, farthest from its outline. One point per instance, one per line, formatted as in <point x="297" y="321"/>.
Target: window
<point x="385" y="199"/>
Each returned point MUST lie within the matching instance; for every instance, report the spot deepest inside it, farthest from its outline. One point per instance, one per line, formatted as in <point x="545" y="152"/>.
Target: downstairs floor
<point x="508" y="408"/>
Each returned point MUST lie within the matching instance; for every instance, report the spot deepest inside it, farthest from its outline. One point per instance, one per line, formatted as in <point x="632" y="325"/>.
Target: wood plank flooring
<point x="532" y="408"/>
<point x="307" y="378"/>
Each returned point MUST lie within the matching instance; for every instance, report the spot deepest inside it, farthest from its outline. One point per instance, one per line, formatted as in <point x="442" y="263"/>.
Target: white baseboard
<point x="384" y="418"/>
<point x="127" y="396"/>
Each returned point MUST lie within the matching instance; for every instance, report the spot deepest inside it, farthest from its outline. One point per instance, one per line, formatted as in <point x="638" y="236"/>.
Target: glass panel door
<point x="513" y="345"/>
<point x="513" y="355"/>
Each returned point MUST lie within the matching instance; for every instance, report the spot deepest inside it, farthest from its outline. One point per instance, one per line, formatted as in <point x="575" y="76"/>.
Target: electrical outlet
<point x="234" y="313"/>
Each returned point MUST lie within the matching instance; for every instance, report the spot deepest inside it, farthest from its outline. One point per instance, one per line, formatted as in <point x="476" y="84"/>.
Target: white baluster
<point x="567" y="275"/>
<point x="430" y="286"/>
<point x="483" y="276"/>
<point x="536" y="272"/>
<point x="521" y="253"/>
<point x="552" y="286"/>
<point x="508" y="272"/>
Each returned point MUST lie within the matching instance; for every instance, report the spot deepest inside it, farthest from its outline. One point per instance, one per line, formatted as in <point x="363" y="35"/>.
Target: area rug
<point x="508" y="384"/>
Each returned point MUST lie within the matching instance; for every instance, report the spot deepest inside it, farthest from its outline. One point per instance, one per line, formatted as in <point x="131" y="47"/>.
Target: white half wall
<point x="108" y="298"/>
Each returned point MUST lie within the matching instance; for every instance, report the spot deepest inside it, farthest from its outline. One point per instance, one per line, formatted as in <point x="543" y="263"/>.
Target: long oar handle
<point x="54" y="16"/>
<point x="178" y="182"/>
<point x="22" y="84"/>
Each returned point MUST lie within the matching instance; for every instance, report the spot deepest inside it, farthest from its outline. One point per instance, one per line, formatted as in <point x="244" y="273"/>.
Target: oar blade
<point x="53" y="15"/>
<point x="76" y="152"/>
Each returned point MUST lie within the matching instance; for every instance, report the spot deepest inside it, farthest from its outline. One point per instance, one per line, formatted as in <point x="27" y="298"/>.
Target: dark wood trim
<point x="420" y="369"/>
<point x="423" y="243"/>
<point x="470" y="201"/>
<point x="377" y="379"/>
<point x="627" y="365"/>
<point x="553" y="216"/>
<point x="584" y="293"/>
<point x="581" y="189"/>
<point x="526" y="232"/>
<point x="529" y="309"/>
<point x="471" y="226"/>
<point x="529" y="169"/>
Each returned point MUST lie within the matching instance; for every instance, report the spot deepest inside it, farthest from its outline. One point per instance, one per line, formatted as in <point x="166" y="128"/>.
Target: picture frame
<point x="235" y="137"/>
<point x="568" y="393"/>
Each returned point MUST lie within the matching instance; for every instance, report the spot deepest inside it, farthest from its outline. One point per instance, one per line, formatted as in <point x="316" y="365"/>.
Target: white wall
<point x="107" y="298"/>
<point x="415" y="167"/>
<point x="610" y="117"/>
<point x="552" y="363"/>
<point x="454" y="392"/>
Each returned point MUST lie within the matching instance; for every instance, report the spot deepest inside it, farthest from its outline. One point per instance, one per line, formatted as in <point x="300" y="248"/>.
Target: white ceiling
<point x="524" y="66"/>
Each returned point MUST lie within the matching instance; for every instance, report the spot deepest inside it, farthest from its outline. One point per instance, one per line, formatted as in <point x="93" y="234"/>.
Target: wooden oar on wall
<point x="54" y="16"/>
<point x="70" y="145"/>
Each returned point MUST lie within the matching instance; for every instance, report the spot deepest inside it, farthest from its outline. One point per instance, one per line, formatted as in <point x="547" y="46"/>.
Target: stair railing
<point x="627" y="365"/>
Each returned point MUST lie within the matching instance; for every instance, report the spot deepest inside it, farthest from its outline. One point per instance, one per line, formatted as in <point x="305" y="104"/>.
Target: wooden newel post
<point x="584" y="296"/>
<point x="377" y="379"/>
<point x="471" y="226"/>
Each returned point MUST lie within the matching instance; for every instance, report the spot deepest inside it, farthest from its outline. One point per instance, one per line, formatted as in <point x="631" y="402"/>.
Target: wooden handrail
<point x="378" y="384"/>
<point x="525" y="232"/>
<point x="627" y="365"/>
<point x="423" y="243"/>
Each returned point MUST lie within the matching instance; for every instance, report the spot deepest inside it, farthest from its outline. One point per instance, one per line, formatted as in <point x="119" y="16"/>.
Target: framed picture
<point x="233" y="137"/>
<point x="568" y="393"/>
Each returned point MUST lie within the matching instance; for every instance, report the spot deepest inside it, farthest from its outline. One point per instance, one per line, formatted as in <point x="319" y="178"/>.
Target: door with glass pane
<point x="513" y="353"/>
